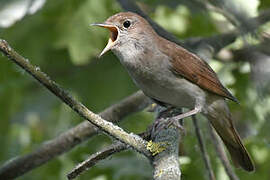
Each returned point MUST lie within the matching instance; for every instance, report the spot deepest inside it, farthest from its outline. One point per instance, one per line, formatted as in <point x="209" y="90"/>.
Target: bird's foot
<point x="174" y="122"/>
<point x="165" y="119"/>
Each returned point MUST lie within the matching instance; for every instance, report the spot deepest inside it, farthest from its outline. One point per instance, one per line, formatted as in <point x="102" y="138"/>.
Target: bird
<point x="174" y="77"/>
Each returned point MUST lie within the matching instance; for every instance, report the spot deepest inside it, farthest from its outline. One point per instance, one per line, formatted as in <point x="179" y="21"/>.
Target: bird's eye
<point x="126" y="23"/>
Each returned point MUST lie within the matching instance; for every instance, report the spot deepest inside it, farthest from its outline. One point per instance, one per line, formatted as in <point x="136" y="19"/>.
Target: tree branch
<point x="166" y="163"/>
<point x="203" y="150"/>
<point x="95" y="158"/>
<point x="165" y="141"/>
<point x="131" y="139"/>
<point x="101" y="155"/>
<point x="71" y="138"/>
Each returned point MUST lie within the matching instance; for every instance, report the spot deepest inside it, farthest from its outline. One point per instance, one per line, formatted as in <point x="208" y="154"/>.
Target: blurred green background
<point x="57" y="38"/>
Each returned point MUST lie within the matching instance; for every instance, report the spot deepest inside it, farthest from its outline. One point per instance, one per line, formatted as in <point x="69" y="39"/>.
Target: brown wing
<point x="191" y="67"/>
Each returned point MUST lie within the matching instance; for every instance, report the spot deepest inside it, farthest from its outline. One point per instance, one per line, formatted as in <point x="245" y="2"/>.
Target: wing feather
<point x="194" y="69"/>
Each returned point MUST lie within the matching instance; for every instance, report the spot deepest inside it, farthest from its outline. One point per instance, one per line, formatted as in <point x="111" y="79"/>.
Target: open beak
<point x="113" y="36"/>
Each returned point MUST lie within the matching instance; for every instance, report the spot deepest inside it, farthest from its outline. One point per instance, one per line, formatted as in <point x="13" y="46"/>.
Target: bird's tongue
<point x="113" y="34"/>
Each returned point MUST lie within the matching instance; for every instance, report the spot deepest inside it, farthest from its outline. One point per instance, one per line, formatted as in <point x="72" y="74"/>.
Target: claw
<point x="167" y="118"/>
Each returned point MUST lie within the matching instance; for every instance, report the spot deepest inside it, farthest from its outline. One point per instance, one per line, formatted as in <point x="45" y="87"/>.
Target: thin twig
<point x="95" y="158"/>
<point x="221" y="153"/>
<point x="101" y="155"/>
<point x="109" y="128"/>
<point x="229" y="16"/>
<point x="203" y="150"/>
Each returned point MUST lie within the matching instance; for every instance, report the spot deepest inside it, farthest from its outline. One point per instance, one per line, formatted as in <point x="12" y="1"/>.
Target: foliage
<point x="58" y="38"/>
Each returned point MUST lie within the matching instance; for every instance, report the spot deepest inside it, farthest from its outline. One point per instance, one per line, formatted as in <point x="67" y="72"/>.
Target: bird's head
<point x="126" y="28"/>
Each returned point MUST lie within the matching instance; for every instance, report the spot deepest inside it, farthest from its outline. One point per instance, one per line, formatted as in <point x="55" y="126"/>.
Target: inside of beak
<point x="112" y="39"/>
<point x="113" y="33"/>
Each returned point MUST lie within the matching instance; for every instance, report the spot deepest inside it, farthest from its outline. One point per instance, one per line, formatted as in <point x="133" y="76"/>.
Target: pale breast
<point x="152" y="74"/>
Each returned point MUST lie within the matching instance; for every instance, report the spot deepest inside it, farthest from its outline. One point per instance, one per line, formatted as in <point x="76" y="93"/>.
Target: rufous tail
<point x="220" y="118"/>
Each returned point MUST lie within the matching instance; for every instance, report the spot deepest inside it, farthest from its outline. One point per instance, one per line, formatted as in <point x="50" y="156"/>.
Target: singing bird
<point x="173" y="76"/>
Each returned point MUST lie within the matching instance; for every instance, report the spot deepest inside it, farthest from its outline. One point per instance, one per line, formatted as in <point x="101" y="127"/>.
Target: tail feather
<point x="240" y="156"/>
<point x="220" y="118"/>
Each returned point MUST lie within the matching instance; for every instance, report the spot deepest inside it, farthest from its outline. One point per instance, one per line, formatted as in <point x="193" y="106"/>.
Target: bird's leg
<point x="167" y="118"/>
<point x="175" y="120"/>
